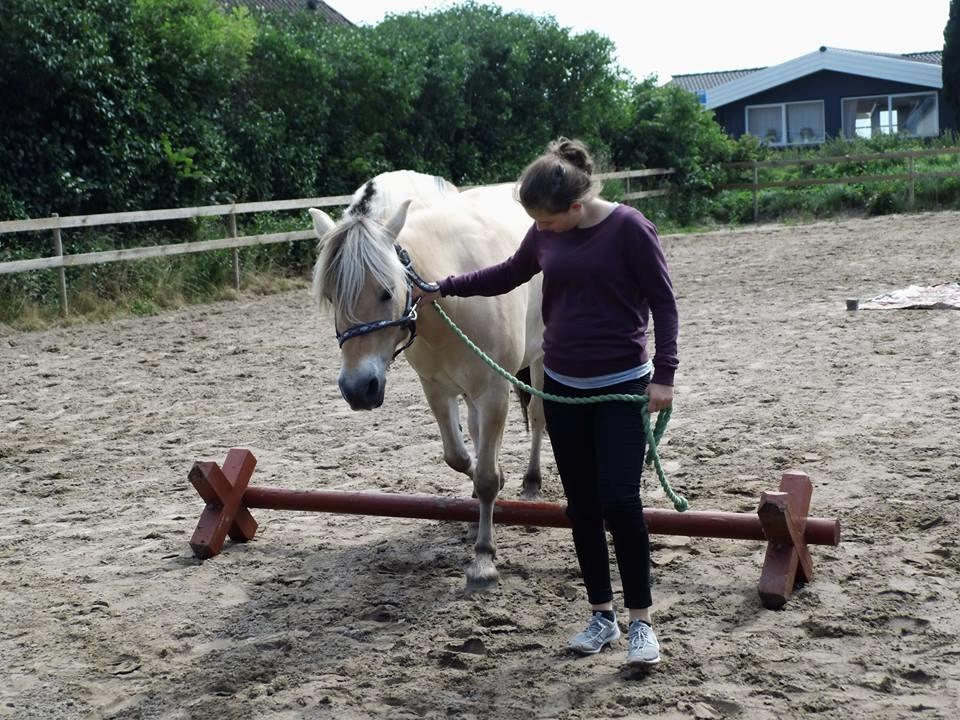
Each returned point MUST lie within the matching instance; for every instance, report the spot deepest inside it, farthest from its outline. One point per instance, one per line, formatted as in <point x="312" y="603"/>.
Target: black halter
<point x="407" y="320"/>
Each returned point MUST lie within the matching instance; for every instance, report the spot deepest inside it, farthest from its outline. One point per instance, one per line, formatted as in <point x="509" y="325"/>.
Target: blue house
<point x="828" y="93"/>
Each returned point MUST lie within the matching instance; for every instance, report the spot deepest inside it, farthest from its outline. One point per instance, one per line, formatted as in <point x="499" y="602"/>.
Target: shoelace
<point x="639" y="638"/>
<point x="594" y="627"/>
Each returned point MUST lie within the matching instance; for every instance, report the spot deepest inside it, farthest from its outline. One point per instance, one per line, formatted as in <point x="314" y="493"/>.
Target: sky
<point x="676" y="37"/>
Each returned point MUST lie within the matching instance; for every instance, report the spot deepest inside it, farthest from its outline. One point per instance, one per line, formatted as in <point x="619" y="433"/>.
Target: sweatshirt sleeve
<point x="496" y="279"/>
<point x="650" y="265"/>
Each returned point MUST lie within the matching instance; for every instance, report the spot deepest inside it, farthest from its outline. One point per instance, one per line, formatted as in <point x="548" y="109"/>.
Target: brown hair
<point x="558" y="178"/>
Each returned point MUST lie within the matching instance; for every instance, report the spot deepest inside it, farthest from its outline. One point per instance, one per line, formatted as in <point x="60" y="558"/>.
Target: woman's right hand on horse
<point x="424" y="295"/>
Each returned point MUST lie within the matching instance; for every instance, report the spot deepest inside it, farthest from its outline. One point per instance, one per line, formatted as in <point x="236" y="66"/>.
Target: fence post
<point x="756" y="201"/>
<point x="61" y="271"/>
<point x="911" y="197"/>
<point x="232" y="224"/>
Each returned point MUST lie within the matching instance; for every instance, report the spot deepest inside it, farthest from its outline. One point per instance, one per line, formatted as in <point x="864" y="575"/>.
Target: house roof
<point x="720" y="88"/>
<point x="706" y="81"/>
<point x="317" y="6"/>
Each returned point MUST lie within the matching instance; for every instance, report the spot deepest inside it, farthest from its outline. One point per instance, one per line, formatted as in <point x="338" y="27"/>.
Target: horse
<point x="400" y="226"/>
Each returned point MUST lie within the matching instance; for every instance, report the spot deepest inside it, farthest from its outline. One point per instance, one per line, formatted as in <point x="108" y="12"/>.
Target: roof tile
<point x="293" y="6"/>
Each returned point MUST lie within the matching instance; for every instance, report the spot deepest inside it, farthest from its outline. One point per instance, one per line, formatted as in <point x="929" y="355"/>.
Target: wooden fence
<point x="911" y="176"/>
<point x="59" y="261"/>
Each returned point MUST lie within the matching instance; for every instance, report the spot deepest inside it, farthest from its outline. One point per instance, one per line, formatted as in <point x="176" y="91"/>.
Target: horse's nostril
<point x="373" y="388"/>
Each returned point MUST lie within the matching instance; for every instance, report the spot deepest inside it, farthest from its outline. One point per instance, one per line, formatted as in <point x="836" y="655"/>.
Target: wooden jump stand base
<point x="781" y="521"/>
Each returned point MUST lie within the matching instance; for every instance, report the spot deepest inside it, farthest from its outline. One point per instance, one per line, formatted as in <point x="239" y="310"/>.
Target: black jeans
<point x="599" y="451"/>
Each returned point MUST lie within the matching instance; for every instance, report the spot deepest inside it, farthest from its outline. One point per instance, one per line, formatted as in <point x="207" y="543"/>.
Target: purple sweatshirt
<point x="600" y="285"/>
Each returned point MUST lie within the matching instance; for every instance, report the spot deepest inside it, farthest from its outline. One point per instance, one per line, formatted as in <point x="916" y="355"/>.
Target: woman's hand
<point x="424" y="295"/>
<point x="661" y="397"/>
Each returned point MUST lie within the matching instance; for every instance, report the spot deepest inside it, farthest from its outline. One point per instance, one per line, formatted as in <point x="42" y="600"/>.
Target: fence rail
<point x="59" y="261"/>
<point x="11" y="226"/>
<point x="96" y="258"/>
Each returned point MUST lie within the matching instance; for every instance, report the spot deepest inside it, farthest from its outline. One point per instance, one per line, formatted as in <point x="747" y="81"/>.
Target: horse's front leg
<point x="491" y="408"/>
<point x="473" y="422"/>
<point x="446" y="410"/>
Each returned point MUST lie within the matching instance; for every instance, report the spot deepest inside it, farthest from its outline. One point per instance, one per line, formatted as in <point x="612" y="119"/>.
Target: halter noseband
<point x="407" y="320"/>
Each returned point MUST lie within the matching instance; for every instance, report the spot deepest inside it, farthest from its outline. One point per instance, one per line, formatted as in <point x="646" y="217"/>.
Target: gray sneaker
<point x="599" y="633"/>
<point x="642" y="645"/>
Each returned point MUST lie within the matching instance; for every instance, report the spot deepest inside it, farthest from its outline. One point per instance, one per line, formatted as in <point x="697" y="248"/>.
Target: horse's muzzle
<point x="364" y="392"/>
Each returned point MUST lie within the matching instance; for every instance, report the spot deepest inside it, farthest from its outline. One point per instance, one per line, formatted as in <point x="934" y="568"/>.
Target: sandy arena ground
<point x="106" y="613"/>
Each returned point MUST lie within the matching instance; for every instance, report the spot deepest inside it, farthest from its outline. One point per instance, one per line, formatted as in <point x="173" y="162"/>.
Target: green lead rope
<point x="654" y="434"/>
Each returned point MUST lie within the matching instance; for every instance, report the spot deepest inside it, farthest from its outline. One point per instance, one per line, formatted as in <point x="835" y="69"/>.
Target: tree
<point x="668" y="128"/>
<point x="492" y="88"/>
<point x="71" y="83"/>
<point x="951" y="61"/>
<point x="113" y="105"/>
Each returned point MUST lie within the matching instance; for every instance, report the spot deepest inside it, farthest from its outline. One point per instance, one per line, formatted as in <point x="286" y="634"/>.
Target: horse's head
<point x="359" y="275"/>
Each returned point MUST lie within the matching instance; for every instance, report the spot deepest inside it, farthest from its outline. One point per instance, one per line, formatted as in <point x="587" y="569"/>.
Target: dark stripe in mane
<point x="362" y="206"/>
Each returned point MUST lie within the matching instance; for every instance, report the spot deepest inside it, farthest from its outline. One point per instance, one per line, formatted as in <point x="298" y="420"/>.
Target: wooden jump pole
<point x="781" y="520"/>
<point x="692" y="523"/>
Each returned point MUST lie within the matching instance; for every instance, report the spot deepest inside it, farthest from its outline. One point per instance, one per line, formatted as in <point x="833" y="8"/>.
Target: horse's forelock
<point x="358" y="246"/>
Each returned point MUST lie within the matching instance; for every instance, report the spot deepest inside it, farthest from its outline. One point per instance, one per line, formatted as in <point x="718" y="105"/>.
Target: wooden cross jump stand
<point x="781" y="520"/>
<point x="222" y="491"/>
<point x="783" y="516"/>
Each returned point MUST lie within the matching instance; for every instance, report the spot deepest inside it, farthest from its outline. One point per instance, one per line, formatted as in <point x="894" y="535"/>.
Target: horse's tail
<point x="524" y="396"/>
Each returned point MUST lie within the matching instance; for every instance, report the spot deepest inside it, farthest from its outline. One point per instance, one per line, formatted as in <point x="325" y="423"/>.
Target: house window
<point x="766" y="122"/>
<point x="787" y="123"/>
<point x="916" y="115"/>
<point x="805" y="122"/>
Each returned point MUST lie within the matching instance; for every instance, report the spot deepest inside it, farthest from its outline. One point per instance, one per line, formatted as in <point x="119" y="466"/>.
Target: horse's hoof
<point x="530" y="494"/>
<point x="482" y="576"/>
<point x="531" y="487"/>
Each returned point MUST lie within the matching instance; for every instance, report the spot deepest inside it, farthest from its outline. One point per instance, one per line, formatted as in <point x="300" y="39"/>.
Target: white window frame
<point x="783" y="119"/>
<point x="890" y="97"/>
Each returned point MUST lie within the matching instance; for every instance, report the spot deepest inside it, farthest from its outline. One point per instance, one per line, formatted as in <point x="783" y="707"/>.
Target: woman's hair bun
<point x="558" y="178"/>
<point x="574" y="152"/>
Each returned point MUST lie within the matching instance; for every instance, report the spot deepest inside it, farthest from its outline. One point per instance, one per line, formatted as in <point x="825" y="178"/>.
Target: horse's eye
<point x="386" y="296"/>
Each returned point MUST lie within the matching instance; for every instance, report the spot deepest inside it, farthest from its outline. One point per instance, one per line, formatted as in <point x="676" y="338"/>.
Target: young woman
<point x="604" y="273"/>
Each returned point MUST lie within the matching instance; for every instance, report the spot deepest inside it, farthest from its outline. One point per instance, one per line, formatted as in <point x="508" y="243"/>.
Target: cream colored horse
<point x="361" y="277"/>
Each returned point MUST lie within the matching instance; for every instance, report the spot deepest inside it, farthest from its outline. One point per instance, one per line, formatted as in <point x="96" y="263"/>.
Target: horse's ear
<point x="321" y="222"/>
<point x="399" y="217"/>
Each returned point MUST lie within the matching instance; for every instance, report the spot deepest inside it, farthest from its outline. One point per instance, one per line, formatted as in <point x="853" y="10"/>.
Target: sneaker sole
<point x="643" y="663"/>
<point x="585" y="651"/>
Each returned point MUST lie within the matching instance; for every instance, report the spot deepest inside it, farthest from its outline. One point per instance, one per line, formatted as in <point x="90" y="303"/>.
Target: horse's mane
<point x="379" y="197"/>
<point x="359" y="244"/>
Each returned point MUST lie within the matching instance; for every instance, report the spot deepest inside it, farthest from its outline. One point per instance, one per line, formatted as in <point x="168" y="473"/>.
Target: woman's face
<point x="557" y="222"/>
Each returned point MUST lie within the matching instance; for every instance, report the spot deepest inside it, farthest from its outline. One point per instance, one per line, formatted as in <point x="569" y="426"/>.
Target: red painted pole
<point x="694" y="523"/>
